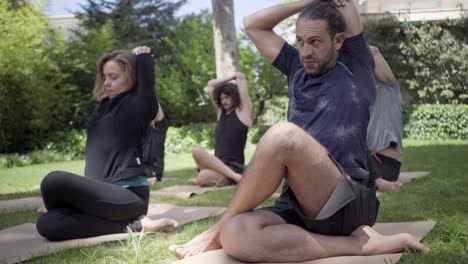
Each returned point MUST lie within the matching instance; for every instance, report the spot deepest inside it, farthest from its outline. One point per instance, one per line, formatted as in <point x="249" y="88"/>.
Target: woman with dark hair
<point x="114" y="193"/>
<point x="234" y="110"/>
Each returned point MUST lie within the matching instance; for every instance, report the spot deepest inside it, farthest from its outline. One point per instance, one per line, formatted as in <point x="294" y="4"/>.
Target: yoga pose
<point x="385" y="129"/>
<point x="328" y="204"/>
<point x="234" y="111"/>
<point x="114" y="193"/>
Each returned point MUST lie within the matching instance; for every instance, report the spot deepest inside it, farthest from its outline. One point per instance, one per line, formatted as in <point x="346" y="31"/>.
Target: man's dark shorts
<point x="381" y="166"/>
<point x="235" y="166"/>
<point x="350" y="205"/>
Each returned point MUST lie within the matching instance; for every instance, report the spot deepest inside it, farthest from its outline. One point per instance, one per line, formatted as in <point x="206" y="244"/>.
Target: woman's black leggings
<point x="79" y="207"/>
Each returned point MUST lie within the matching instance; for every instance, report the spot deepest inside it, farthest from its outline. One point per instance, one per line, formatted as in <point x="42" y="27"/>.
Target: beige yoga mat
<point x="23" y="204"/>
<point x="22" y="242"/>
<point x="187" y="191"/>
<point x="417" y="229"/>
<point x="406" y="177"/>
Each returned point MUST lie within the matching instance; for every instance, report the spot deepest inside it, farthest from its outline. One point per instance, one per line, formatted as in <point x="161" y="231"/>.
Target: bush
<point x="435" y="121"/>
<point x="30" y="80"/>
<point x="68" y="143"/>
<point x="438" y="61"/>
<point x="183" y="139"/>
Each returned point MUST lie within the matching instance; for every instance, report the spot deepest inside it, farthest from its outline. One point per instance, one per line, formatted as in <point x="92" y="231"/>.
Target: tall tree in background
<point x="181" y="82"/>
<point x="135" y="22"/>
<point x="30" y="80"/>
<point x="227" y="52"/>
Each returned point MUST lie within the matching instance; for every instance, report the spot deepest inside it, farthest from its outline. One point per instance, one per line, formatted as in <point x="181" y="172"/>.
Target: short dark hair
<point x="325" y="10"/>
<point x="229" y="89"/>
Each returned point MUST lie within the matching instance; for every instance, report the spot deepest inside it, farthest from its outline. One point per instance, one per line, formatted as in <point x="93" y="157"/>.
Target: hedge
<point x="429" y="122"/>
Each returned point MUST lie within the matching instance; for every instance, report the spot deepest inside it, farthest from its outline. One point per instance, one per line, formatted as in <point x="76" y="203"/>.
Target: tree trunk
<point x="225" y="41"/>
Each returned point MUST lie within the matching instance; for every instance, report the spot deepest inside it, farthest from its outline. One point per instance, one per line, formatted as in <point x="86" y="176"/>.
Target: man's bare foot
<point x="205" y="241"/>
<point x="373" y="243"/>
<point x="159" y="225"/>
<point x="388" y="186"/>
<point x="192" y="181"/>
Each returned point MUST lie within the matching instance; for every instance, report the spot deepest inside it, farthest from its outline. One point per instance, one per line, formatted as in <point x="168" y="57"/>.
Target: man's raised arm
<point x="350" y="13"/>
<point x="259" y="26"/>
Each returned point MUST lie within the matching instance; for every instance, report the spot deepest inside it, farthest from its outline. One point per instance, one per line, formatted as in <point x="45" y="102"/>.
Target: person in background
<point x="153" y="147"/>
<point x="234" y="110"/>
<point x="385" y="129"/>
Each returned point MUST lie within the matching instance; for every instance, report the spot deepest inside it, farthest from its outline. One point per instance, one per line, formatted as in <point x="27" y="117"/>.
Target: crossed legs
<point x="286" y="151"/>
<point x="78" y="207"/>
<point x="212" y="170"/>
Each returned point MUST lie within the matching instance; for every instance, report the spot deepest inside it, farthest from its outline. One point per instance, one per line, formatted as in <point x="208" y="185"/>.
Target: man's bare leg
<point x="262" y="236"/>
<point x="205" y="161"/>
<point x="310" y="172"/>
<point x="388" y="186"/>
<point x="285" y="147"/>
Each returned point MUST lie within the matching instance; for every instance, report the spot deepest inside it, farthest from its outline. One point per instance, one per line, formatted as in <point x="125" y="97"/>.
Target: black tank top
<point x="230" y="138"/>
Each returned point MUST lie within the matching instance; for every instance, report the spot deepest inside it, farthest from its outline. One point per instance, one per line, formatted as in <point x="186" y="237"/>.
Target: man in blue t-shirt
<point x="328" y="203"/>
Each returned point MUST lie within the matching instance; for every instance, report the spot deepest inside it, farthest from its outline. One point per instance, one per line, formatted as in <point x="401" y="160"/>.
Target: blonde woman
<point x="114" y="193"/>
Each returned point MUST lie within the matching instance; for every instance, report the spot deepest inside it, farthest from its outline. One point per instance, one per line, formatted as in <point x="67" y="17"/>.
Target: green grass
<point x="442" y="196"/>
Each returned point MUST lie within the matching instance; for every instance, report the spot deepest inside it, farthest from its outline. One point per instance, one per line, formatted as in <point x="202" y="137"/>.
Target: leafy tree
<point x="78" y="62"/>
<point x="438" y="61"/>
<point x="30" y="91"/>
<point x="135" y="22"/>
<point x="265" y="82"/>
<point x="182" y="74"/>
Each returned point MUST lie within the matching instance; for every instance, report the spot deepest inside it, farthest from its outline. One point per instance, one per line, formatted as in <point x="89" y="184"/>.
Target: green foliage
<point x="68" y="143"/>
<point x="78" y="61"/>
<point x="436" y="122"/>
<point x="60" y="146"/>
<point x="30" y="90"/>
<point x="264" y="81"/>
<point x="183" y="139"/>
<point x="135" y="22"/>
<point x="182" y="74"/>
<point x="438" y="60"/>
<point x="428" y="58"/>
<point x="256" y="132"/>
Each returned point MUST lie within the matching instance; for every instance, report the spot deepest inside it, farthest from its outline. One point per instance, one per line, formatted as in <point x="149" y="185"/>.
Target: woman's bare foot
<point x="388" y="186"/>
<point x="373" y="243"/>
<point x="205" y="241"/>
<point x="159" y="225"/>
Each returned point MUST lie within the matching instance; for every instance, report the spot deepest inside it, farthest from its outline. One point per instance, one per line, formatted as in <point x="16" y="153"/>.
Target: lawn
<point x="442" y="196"/>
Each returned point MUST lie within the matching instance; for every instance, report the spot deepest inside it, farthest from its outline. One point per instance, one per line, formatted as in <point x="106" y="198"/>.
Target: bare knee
<point x="285" y="136"/>
<point x="198" y="152"/>
<point x="236" y="234"/>
<point x="208" y="178"/>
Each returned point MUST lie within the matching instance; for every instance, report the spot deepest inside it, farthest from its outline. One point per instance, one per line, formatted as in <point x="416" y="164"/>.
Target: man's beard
<point x="328" y="62"/>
